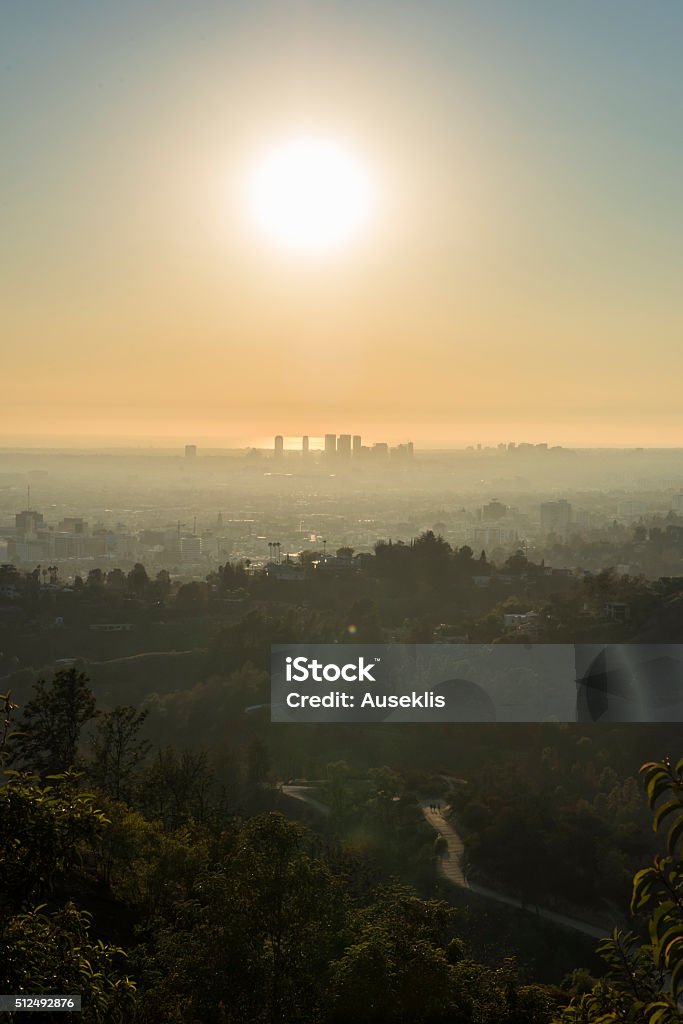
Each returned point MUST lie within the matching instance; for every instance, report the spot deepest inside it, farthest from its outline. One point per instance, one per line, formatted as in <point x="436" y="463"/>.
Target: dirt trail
<point x="450" y="868"/>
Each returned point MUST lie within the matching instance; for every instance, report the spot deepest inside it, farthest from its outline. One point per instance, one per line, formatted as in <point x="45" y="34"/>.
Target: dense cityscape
<point x="575" y="510"/>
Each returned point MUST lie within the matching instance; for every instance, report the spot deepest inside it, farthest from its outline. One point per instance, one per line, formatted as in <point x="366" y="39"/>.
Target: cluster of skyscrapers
<point x="347" y="446"/>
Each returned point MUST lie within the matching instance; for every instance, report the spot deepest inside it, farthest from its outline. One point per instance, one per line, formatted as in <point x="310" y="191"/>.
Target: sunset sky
<point x="518" y="275"/>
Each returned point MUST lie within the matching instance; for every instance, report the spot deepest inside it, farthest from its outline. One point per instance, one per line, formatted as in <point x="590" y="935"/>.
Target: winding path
<point x="449" y="866"/>
<point x="451" y="869"/>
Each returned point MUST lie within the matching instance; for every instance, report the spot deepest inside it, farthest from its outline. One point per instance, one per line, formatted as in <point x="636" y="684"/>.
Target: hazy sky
<point x="521" y="279"/>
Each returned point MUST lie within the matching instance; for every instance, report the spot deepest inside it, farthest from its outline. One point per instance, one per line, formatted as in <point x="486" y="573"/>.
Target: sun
<point x="309" y="195"/>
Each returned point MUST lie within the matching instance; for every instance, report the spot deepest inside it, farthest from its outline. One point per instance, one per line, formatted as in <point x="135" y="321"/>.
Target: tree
<point x="177" y="787"/>
<point x="229" y="577"/>
<point x="118" y="751"/>
<point x="42" y="829"/>
<point x="53" y="952"/>
<point x="336" y="790"/>
<point x="138" y="578"/>
<point x="254" y="940"/>
<point x="95" y="579"/>
<point x="116" y="580"/>
<point x="644" y="982"/>
<point x="193" y="596"/>
<point x="432" y="558"/>
<point x="52" y="722"/>
<point x="364" y="625"/>
<point x="162" y="584"/>
<point x="397" y="969"/>
<point x="294" y="905"/>
<point x="517" y="562"/>
<point x="7" y="708"/>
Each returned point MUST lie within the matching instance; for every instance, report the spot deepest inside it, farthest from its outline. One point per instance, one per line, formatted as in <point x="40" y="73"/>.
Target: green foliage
<point x="247" y="924"/>
<point x="401" y="967"/>
<point x="42" y="828"/>
<point x="145" y="867"/>
<point x="375" y="816"/>
<point x="51" y="724"/>
<point x="210" y="712"/>
<point x="580" y="825"/>
<point x="137" y="578"/>
<point x="50" y="953"/>
<point x="250" y="640"/>
<point x="579" y="982"/>
<point x="180" y="787"/>
<point x="45" y="828"/>
<point x="193" y="596"/>
<point x="253" y="939"/>
<point x="117" y="751"/>
<point x="644" y="983"/>
<point x="7" y="708"/>
<point x="397" y="968"/>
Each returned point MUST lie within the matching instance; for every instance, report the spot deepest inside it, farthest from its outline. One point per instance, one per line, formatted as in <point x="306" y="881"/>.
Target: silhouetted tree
<point x="95" y="580"/>
<point x="118" y="750"/>
<point x="138" y="578"/>
<point x="116" y="580"/>
<point x="52" y="721"/>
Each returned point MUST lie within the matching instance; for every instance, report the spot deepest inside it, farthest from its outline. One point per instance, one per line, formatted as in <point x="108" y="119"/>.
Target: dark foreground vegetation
<point x="153" y="856"/>
<point x="140" y="880"/>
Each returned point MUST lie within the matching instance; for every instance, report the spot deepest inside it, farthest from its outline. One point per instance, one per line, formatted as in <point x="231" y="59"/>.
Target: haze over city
<point x="505" y="265"/>
<point x="341" y="511"/>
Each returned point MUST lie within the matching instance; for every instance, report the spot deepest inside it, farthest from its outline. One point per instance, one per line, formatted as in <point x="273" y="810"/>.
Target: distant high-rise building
<point x="493" y="536"/>
<point x="190" y="451"/>
<point x="344" y="444"/>
<point x="304" y="445"/>
<point x="73" y="524"/>
<point x="381" y="449"/>
<point x="493" y="510"/>
<point x="330" y="444"/>
<point x="357" y="445"/>
<point x="190" y="547"/>
<point x="555" y="515"/>
<point x="279" y="446"/>
<point x="28" y="522"/>
<point x="403" y="451"/>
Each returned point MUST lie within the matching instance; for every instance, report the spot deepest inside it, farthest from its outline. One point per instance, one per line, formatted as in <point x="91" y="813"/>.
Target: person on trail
<point x="440" y="846"/>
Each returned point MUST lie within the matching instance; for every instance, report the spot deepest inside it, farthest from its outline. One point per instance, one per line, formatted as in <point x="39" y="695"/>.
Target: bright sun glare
<point x="310" y="195"/>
